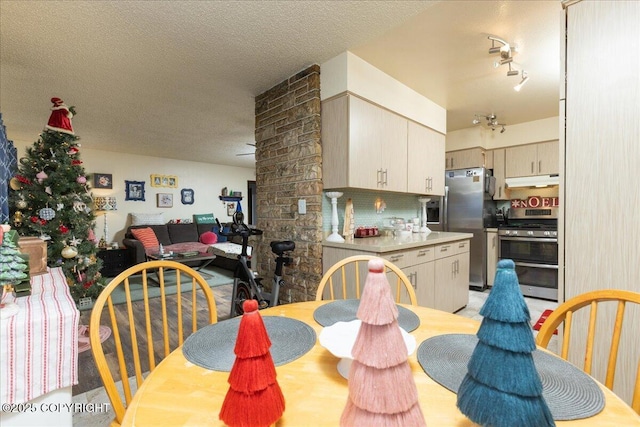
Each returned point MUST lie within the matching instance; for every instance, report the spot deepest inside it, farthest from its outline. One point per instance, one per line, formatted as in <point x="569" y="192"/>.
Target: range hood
<point x="533" y="181"/>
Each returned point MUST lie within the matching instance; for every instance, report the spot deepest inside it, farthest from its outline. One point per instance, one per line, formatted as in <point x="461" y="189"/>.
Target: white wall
<point x="523" y="133"/>
<point x="348" y="72"/>
<point x="205" y="179"/>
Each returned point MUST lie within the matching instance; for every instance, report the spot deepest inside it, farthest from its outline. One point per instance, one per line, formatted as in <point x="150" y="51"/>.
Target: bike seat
<point x="279" y="247"/>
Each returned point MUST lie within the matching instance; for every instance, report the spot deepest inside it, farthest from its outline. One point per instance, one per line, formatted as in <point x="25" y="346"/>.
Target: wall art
<point x="165" y="200"/>
<point x="187" y="196"/>
<point x="170" y="181"/>
<point x="134" y="190"/>
<point x="102" y="180"/>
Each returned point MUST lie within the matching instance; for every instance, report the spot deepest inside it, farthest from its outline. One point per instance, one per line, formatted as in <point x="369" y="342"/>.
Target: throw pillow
<point x="204" y="219"/>
<point x="208" y="238"/>
<point x="147" y="219"/>
<point x="146" y="236"/>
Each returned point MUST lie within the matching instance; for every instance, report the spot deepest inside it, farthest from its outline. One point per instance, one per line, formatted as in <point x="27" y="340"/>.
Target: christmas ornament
<point x="44" y="236"/>
<point x="63" y="229"/>
<point x="48" y="190"/>
<point x="72" y="151"/>
<point x="69" y="252"/>
<point x="79" y="206"/>
<point x="41" y="176"/>
<point x="21" y="204"/>
<point x="34" y="219"/>
<point x="18" y="217"/>
<point x="14" y="183"/>
<point x="23" y="180"/>
<point x="74" y="241"/>
<point x="47" y="213"/>
<point x="60" y="119"/>
<point x="60" y="206"/>
<point x="81" y="179"/>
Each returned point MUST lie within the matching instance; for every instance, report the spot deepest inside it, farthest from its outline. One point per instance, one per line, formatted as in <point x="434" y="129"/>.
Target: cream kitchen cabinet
<point x="532" y="159"/>
<point x="425" y="168"/>
<point x="364" y="146"/>
<point x="460" y="159"/>
<point x="445" y="290"/>
<point x="452" y="276"/>
<point x="499" y="174"/>
<point x="492" y="255"/>
<point x="419" y="267"/>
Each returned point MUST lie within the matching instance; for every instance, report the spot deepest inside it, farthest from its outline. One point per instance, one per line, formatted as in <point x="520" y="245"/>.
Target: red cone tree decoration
<point x="254" y="398"/>
<point x="382" y="391"/>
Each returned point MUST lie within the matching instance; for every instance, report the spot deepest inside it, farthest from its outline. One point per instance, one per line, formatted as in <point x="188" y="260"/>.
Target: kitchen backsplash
<point x="404" y="206"/>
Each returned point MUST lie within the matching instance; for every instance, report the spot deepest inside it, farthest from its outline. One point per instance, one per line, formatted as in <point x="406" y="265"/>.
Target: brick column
<point x="289" y="168"/>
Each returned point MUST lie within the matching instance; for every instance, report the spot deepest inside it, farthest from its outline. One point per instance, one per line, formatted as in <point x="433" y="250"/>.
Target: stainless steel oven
<point x="532" y="243"/>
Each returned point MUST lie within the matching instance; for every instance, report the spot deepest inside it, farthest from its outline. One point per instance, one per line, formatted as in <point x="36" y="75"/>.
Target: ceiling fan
<point x="248" y="154"/>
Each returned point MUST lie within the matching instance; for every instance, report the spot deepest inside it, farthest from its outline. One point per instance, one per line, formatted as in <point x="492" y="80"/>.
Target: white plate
<point x="340" y="337"/>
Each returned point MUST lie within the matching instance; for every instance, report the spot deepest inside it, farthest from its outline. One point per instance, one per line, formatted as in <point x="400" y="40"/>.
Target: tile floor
<point x="476" y="300"/>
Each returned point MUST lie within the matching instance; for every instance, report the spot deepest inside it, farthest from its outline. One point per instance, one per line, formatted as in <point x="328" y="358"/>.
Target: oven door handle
<point x="529" y="264"/>
<point x="531" y="239"/>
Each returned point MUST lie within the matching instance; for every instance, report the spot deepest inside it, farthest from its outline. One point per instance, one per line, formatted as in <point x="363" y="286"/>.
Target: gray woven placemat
<point x="569" y="392"/>
<point x="346" y="310"/>
<point x="212" y="346"/>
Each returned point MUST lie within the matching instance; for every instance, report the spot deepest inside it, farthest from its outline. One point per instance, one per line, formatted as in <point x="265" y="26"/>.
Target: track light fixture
<point x="492" y="122"/>
<point x="506" y="56"/>
<point x="525" y="79"/>
<point x="505" y="50"/>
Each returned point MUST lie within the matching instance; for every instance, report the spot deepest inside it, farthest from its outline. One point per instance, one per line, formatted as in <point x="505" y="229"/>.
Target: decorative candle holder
<point x="423" y="201"/>
<point x="334" y="236"/>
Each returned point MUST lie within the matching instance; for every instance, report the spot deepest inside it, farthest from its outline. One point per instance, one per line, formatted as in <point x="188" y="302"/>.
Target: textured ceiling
<point x="177" y="79"/>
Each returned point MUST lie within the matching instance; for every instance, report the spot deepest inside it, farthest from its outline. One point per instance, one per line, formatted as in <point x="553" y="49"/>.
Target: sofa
<point x="181" y="237"/>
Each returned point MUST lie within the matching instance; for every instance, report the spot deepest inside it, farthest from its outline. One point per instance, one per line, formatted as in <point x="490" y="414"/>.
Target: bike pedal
<point x="263" y="304"/>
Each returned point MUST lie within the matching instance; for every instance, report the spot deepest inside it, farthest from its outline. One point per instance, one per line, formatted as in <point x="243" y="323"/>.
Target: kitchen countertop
<point x="390" y="243"/>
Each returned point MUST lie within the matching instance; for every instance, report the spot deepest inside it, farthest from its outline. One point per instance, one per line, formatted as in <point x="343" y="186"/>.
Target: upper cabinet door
<point x="363" y="146"/>
<point x="522" y="160"/>
<point x="425" y="165"/>
<point x="548" y="158"/>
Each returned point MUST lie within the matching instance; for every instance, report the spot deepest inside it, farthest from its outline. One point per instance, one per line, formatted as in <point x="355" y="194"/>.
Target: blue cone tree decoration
<point x="502" y="387"/>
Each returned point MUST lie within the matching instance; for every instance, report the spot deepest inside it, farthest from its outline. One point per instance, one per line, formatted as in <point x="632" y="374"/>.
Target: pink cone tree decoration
<point x="254" y="398"/>
<point x="382" y="391"/>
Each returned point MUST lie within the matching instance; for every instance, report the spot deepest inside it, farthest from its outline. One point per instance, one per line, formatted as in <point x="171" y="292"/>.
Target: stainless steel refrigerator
<point x="469" y="208"/>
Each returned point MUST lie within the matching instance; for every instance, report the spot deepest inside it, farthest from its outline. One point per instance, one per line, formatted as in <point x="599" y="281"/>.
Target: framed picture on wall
<point x="186" y="195"/>
<point x="134" y="190"/>
<point x="102" y="180"/>
<point x="231" y="208"/>
<point x="165" y="200"/>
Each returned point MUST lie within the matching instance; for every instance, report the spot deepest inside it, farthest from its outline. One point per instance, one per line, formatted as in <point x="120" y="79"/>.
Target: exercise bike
<point x="245" y="283"/>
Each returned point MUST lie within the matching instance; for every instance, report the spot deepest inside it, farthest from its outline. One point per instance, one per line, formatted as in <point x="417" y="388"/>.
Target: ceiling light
<point x="492" y="121"/>
<point x="525" y="79"/>
<point x="512" y="72"/>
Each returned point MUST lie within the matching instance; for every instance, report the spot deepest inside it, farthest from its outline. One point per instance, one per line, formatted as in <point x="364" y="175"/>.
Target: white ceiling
<point x="177" y="79"/>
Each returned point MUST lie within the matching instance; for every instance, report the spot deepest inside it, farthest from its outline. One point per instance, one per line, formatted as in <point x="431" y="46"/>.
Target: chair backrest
<point x="146" y="330"/>
<point x="565" y="313"/>
<point x="345" y="279"/>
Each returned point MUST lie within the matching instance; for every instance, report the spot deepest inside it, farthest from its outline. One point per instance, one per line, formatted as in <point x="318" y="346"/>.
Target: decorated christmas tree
<point x="254" y="398"/>
<point x="502" y="387"/>
<point x="382" y="391"/>
<point x="51" y="200"/>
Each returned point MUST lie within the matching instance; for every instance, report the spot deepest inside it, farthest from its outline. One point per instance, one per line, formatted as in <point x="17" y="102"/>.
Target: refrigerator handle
<point x="445" y="210"/>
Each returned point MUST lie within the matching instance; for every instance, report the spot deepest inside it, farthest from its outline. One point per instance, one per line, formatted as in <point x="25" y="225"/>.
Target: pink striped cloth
<point x="39" y="344"/>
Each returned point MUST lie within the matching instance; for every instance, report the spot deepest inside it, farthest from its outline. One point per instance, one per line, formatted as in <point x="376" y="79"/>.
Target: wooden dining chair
<point x="145" y="328"/>
<point x="565" y="314"/>
<point x="345" y="279"/>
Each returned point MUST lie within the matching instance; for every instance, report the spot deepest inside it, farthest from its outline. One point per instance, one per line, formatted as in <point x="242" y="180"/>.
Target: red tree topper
<point x="254" y="397"/>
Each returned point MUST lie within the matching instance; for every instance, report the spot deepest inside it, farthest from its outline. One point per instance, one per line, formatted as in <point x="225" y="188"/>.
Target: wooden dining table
<point x="179" y="393"/>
